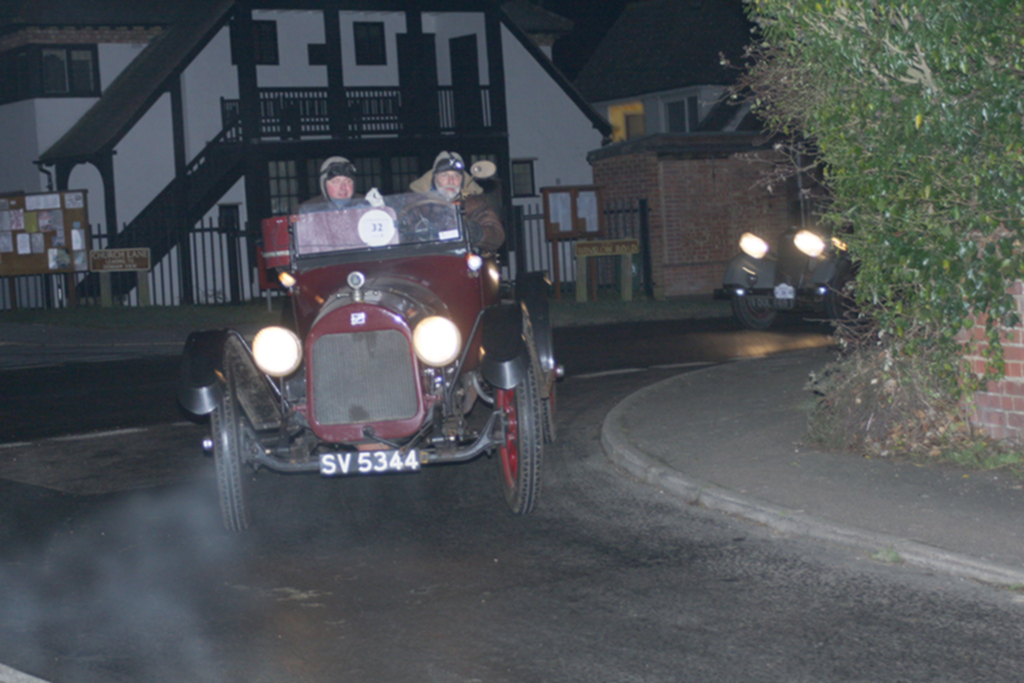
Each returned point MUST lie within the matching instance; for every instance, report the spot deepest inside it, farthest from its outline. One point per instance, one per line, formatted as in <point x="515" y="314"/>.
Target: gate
<point x="624" y="218"/>
<point x="219" y="267"/>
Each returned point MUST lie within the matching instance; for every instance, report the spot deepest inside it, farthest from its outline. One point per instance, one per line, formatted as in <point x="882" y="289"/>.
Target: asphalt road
<point x="429" y="578"/>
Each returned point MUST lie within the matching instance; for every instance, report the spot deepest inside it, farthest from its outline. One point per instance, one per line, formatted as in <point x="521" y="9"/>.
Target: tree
<point x="916" y="109"/>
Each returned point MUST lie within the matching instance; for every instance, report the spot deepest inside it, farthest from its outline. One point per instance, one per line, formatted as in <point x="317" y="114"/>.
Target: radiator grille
<point x="363" y="377"/>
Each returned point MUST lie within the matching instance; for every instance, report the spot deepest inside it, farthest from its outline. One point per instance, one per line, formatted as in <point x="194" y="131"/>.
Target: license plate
<point x="784" y="291"/>
<point x="368" y="462"/>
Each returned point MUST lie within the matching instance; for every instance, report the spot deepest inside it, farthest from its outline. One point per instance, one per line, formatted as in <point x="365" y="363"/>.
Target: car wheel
<point x="547" y="416"/>
<point x="547" y="405"/>
<point x="838" y="301"/>
<point x="231" y="437"/>
<point x="750" y="315"/>
<point x="520" y="454"/>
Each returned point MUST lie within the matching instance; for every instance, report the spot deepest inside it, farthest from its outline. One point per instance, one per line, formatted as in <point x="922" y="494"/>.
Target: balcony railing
<point x="296" y="113"/>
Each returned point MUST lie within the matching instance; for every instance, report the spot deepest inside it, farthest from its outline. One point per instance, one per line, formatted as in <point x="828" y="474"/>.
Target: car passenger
<point x="337" y="187"/>
<point x="448" y="179"/>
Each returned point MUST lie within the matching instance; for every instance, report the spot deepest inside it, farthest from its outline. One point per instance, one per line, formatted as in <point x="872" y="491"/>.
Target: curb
<point x="633" y="461"/>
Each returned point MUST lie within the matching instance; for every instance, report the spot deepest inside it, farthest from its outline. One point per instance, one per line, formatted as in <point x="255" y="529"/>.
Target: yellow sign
<point x="119" y="259"/>
<point x="607" y="247"/>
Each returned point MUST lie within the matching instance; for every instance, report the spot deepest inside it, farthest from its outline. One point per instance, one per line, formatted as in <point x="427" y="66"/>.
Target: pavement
<point x="730" y="437"/>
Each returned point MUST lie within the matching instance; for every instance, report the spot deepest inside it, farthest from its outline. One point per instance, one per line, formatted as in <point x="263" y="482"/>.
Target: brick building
<point x="662" y="76"/>
<point x="999" y="409"/>
<point x="703" y="191"/>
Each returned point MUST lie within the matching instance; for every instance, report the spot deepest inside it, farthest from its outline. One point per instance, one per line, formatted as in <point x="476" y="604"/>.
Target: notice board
<point x="42" y="233"/>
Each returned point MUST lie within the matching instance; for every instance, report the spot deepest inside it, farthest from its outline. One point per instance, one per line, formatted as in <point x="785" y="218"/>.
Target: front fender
<point x="199" y="387"/>
<point x="505" y="357"/>
<point x="532" y="291"/>
<point x="201" y="383"/>
<point x="750" y="273"/>
<point x="832" y="271"/>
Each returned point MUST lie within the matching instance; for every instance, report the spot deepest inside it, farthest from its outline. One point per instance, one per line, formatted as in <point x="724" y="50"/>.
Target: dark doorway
<point x="417" y="75"/>
<point x="469" y="113"/>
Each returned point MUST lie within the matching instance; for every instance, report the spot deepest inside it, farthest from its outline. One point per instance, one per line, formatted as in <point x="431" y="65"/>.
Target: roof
<point x="564" y="83"/>
<point x="686" y="145"/>
<point x="137" y="87"/>
<point x="659" y="45"/>
<point x="15" y="14"/>
<point x="535" y="19"/>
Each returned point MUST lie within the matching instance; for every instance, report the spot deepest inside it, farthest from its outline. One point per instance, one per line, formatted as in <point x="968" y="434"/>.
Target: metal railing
<point x="295" y="113"/>
<point x="223" y="263"/>
<point x="222" y="267"/>
<point x="625" y="218"/>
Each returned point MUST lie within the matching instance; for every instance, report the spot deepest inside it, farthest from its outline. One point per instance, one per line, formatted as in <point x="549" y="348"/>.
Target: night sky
<point x="592" y="20"/>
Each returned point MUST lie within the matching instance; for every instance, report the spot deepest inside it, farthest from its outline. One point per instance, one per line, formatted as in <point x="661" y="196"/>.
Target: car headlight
<point x="809" y="243"/>
<point x="437" y="341"/>
<point x="277" y="351"/>
<point x="752" y="245"/>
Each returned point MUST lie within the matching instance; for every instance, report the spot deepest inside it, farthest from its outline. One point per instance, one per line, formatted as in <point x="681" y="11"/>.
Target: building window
<point x="49" y="71"/>
<point x="634" y="126"/>
<point x="675" y="113"/>
<point x="284" y="187"/>
<point x="369" y="174"/>
<point x="229" y="217"/>
<point x="63" y="71"/>
<point x="369" y="42"/>
<point x="264" y="44"/>
<point x="522" y="178"/>
<point x="682" y="115"/>
<point x="626" y="119"/>
<point x="404" y="170"/>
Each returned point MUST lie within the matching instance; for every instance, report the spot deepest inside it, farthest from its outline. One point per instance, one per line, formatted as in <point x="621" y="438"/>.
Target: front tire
<point x="750" y="316"/>
<point x="547" y="413"/>
<point x="231" y="437"/>
<point x="519" y="458"/>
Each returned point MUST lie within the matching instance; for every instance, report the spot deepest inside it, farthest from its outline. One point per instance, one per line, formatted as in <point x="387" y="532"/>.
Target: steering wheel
<point x="423" y="216"/>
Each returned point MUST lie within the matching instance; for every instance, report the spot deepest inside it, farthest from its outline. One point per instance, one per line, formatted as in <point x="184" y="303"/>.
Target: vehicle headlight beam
<point x="277" y="351"/>
<point x="809" y="243"/>
<point x="753" y="246"/>
<point x="437" y="341"/>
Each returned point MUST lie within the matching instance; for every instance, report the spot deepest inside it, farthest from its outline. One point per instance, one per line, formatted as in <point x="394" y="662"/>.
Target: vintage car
<point x="402" y="350"/>
<point x="807" y="272"/>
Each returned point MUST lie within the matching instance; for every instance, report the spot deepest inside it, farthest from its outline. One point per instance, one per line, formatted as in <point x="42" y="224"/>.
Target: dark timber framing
<point x="323" y="122"/>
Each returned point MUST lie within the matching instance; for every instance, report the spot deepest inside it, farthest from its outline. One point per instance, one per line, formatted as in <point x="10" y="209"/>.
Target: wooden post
<point x="106" y="291"/>
<point x="581" y="277"/>
<point x="555" y="270"/>
<point x="142" y="277"/>
<point x="626" y="277"/>
<point x="72" y="291"/>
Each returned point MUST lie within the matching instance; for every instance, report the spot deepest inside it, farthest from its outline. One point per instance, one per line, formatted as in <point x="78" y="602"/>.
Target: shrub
<point x="916" y="112"/>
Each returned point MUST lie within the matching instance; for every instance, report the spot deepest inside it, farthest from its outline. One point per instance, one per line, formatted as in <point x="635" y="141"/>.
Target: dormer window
<point x="369" y="42"/>
<point x="69" y="71"/>
<point x="49" y="71"/>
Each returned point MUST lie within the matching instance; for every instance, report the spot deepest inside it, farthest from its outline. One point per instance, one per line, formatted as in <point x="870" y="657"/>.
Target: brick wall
<point x="999" y="410"/>
<point x="78" y="36"/>
<point x="699" y="207"/>
<point x="631" y="177"/>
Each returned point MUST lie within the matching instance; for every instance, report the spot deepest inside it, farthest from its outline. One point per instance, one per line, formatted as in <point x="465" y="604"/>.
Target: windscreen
<point x="401" y="219"/>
